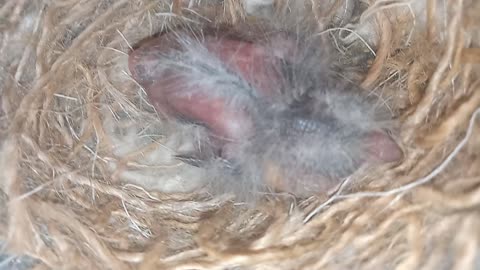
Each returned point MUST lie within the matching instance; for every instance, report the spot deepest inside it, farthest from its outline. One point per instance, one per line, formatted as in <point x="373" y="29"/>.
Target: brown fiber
<point x="77" y="189"/>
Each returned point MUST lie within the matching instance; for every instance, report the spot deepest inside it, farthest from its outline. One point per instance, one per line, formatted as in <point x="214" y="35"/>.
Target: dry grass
<point x="76" y="129"/>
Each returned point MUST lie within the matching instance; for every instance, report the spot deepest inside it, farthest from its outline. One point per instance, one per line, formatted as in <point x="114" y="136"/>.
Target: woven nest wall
<point x="87" y="181"/>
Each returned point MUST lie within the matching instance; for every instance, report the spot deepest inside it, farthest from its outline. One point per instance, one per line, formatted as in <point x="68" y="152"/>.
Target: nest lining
<point x="73" y="137"/>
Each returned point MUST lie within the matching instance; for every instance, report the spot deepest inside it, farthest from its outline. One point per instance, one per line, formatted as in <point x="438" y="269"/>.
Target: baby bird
<point x="279" y="116"/>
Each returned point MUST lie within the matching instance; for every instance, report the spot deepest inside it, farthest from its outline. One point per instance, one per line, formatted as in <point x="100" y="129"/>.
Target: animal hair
<point x="312" y="126"/>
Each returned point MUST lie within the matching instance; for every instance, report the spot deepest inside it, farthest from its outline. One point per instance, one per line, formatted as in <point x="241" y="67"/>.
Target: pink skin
<point x="250" y="60"/>
<point x="382" y="148"/>
<point x="256" y="64"/>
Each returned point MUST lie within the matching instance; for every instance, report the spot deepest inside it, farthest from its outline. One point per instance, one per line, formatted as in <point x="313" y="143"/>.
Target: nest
<point x="86" y="181"/>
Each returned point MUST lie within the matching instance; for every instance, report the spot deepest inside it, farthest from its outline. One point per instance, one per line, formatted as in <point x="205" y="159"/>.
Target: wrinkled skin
<point x="249" y="60"/>
<point x="273" y="108"/>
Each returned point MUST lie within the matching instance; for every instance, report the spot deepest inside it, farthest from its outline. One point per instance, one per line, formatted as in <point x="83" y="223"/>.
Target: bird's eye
<point x="305" y="125"/>
<point x="303" y="122"/>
